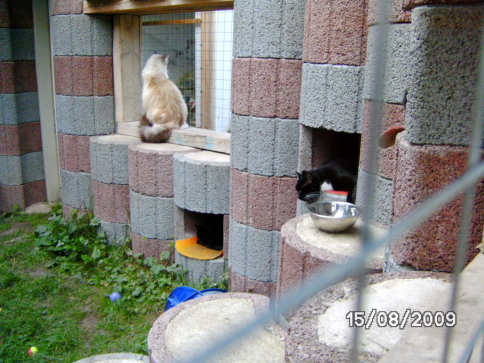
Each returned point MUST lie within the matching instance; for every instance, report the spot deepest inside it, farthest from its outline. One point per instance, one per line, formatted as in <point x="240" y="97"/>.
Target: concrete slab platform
<point x="116" y="358"/>
<point x="319" y="331"/>
<point x="192" y="327"/>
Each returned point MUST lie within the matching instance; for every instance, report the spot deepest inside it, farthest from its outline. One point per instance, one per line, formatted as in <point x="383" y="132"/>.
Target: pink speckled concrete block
<point x="239" y="283"/>
<point x="397" y="13"/>
<point x="239" y="191"/>
<point x="300" y="260"/>
<point x="422" y="170"/>
<point x="7" y="78"/>
<point x="67" y="211"/>
<point x="266" y="87"/>
<point x="63" y="75"/>
<point x="82" y="76"/>
<point x="393" y="115"/>
<point x="151" y="168"/>
<point x="74" y="154"/>
<point x="64" y="7"/>
<point x="103" y="76"/>
<point x="16" y="14"/>
<point x="261" y="207"/>
<point x="263" y="87"/>
<point x="111" y="202"/>
<point x="19" y="76"/>
<point x="335" y="32"/>
<point x="20" y="139"/>
<point x="288" y="88"/>
<point x="410" y="4"/>
<point x="241" y="86"/>
<point x="22" y="195"/>
<point x="260" y="201"/>
<point x="150" y="247"/>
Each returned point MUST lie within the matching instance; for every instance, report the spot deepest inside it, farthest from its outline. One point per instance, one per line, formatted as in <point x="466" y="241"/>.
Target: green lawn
<point x="55" y="285"/>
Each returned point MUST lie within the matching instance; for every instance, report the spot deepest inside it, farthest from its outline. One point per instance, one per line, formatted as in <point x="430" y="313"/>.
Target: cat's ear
<point x="166" y="58"/>
<point x="299" y="175"/>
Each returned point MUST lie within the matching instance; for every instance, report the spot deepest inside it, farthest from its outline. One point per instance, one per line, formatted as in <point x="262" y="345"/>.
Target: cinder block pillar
<point x="266" y="89"/>
<point x="83" y="72"/>
<point x="433" y="152"/>
<point x="22" y="178"/>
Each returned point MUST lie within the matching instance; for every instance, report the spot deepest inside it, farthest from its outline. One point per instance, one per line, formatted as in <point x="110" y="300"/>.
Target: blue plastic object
<point x="185" y="293"/>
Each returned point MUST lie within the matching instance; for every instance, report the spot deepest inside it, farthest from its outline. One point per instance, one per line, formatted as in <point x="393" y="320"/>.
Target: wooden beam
<point x="142" y="7"/>
<point x="126" y="64"/>
<point x="172" y="22"/>
<point x="209" y="27"/>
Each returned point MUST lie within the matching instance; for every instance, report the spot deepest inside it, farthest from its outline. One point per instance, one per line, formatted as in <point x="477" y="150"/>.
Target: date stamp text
<point x="395" y="319"/>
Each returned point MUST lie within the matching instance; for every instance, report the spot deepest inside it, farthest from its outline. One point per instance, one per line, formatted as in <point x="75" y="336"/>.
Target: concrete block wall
<point x="433" y="151"/>
<point x="266" y="90"/>
<point x="110" y="189"/>
<point x="152" y="207"/>
<point x="22" y="179"/>
<point x="84" y="101"/>
<point x="201" y="187"/>
<point x="395" y="89"/>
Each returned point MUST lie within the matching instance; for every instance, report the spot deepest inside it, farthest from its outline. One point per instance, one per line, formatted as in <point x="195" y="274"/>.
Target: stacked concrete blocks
<point x="151" y="197"/>
<point x="83" y="72"/>
<point x="429" y="155"/>
<point x="110" y="178"/>
<point x="201" y="187"/>
<point x="266" y="89"/>
<point x="22" y="179"/>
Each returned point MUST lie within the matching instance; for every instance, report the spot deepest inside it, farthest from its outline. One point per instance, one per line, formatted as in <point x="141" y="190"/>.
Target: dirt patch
<point x="25" y="227"/>
<point x="89" y="323"/>
<point x="40" y="272"/>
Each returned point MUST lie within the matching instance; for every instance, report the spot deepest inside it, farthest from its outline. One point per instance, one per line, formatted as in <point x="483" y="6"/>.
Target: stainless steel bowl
<point x="334" y="216"/>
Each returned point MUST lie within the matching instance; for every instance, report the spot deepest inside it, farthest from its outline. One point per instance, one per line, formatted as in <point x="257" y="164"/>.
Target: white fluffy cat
<point x="165" y="108"/>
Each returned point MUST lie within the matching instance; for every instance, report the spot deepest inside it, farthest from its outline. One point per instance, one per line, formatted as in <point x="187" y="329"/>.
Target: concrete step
<point x="320" y="330"/>
<point x="190" y="328"/>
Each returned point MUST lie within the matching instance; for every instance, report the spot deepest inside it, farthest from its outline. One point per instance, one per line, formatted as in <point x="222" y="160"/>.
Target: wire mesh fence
<point x="199" y="46"/>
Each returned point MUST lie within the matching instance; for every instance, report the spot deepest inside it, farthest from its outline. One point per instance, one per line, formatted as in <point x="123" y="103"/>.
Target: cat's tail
<point x="153" y="133"/>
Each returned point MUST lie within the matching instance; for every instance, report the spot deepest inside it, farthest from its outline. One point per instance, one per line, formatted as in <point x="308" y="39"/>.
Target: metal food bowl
<point x="334" y="216"/>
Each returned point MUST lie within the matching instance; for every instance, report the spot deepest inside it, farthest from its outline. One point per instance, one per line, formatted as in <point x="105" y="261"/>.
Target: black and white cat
<point x="341" y="172"/>
<point x="210" y="234"/>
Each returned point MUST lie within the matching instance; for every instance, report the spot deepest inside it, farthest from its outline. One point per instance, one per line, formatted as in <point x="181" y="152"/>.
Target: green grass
<point x="55" y="282"/>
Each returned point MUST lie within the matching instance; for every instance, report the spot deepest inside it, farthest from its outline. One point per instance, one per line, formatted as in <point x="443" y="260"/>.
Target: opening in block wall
<point x="199" y="46"/>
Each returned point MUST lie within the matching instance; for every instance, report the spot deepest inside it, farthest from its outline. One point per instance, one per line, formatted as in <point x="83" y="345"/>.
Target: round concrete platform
<point x="192" y="327"/>
<point x="319" y="331"/>
<point x="116" y="358"/>
<point x="305" y="250"/>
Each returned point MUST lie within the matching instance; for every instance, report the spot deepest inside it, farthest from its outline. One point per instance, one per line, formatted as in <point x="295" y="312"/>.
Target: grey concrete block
<point x="152" y="217"/>
<point x="109" y="158"/>
<point x="85" y="115"/>
<point x="104" y="115"/>
<point x="62" y="34"/>
<point x="262" y="132"/>
<point x="116" y="233"/>
<point x="381" y="211"/>
<point x="76" y="189"/>
<point x="243" y="28"/>
<point x="286" y="148"/>
<point x="239" y="149"/>
<point x="199" y="270"/>
<point x="81" y="28"/>
<point x="445" y="50"/>
<point x="16" y="44"/>
<point x="267" y="29"/>
<point x="23" y="169"/>
<point x="305" y="153"/>
<point x="102" y="35"/>
<point x="19" y="108"/>
<point x="202" y="182"/>
<point x="397" y="62"/>
<point x="292" y="29"/>
<point x="331" y="97"/>
<point x="254" y="253"/>
<point x="301" y="207"/>
<point x="82" y="35"/>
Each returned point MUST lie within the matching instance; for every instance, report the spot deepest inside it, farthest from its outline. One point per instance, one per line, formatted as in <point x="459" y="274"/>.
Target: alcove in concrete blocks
<point x="208" y="320"/>
<point x="110" y="177"/>
<point x="151" y="196"/>
<point x="201" y="187"/>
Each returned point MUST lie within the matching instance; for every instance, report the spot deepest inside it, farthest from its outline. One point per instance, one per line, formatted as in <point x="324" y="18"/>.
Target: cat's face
<point x="307" y="183"/>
